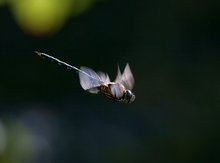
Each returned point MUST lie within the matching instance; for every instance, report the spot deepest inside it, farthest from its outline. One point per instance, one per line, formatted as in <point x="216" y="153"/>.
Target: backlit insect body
<point x="99" y="82"/>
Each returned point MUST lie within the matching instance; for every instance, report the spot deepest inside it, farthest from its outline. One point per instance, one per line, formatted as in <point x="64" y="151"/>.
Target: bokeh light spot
<point x="40" y="17"/>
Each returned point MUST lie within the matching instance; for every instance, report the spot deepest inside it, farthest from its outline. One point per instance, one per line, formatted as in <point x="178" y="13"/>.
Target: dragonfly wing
<point x="126" y="78"/>
<point x="117" y="90"/>
<point x="118" y="77"/>
<point x="104" y="77"/>
<point x="89" y="80"/>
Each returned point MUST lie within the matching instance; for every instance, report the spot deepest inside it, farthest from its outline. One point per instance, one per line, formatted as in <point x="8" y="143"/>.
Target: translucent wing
<point x="126" y="78"/>
<point x="103" y="77"/>
<point x="89" y="80"/>
<point x="117" y="90"/>
<point x="118" y="77"/>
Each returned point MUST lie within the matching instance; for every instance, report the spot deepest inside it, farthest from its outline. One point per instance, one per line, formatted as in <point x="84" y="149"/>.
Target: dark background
<point x="173" y="51"/>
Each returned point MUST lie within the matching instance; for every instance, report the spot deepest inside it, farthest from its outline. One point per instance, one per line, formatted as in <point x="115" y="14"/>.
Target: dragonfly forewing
<point x="126" y="78"/>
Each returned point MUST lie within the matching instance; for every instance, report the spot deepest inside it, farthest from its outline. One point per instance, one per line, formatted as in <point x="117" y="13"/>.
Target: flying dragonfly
<point x="119" y="90"/>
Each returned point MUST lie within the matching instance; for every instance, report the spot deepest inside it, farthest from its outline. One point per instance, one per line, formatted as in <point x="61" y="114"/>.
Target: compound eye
<point x="128" y="93"/>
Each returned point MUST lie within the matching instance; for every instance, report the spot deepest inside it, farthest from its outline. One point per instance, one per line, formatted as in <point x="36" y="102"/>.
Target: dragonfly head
<point x="129" y="97"/>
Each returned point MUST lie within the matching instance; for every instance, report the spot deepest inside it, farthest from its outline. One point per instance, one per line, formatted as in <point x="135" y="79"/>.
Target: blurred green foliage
<point x="45" y="17"/>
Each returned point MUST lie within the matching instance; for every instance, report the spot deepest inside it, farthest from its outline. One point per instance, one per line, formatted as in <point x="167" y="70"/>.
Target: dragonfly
<point x="99" y="82"/>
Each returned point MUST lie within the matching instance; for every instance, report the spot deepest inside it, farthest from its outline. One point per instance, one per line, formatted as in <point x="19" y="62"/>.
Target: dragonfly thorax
<point x="117" y="91"/>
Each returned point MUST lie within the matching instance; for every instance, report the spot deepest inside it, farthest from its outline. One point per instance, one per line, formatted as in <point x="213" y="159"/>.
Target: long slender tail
<point x="61" y="63"/>
<point x="57" y="61"/>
